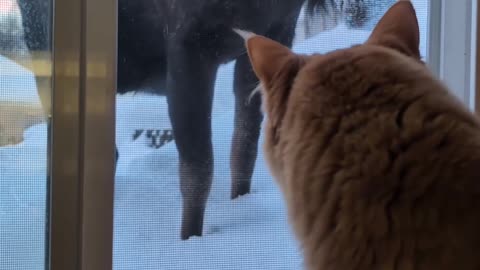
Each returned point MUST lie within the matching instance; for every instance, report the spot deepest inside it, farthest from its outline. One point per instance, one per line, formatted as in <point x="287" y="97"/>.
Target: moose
<point x="174" y="48"/>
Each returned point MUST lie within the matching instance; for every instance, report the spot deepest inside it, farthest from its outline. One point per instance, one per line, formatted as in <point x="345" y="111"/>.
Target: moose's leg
<point x="190" y="84"/>
<point x="248" y="118"/>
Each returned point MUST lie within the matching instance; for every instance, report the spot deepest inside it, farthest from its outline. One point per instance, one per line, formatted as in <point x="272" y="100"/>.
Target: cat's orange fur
<point x="379" y="164"/>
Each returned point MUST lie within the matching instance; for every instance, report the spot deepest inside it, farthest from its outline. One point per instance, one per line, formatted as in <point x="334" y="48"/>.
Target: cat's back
<point x="372" y="97"/>
<point x="379" y="148"/>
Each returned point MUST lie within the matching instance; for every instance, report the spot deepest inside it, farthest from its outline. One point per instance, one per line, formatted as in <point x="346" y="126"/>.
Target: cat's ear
<point x="266" y="56"/>
<point x="398" y="29"/>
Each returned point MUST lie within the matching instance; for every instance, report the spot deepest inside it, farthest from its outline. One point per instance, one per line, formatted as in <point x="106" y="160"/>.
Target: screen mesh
<point x="250" y="232"/>
<point x="23" y="149"/>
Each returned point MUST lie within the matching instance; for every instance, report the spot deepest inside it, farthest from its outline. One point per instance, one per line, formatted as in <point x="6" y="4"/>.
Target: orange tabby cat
<point x="378" y="163"/>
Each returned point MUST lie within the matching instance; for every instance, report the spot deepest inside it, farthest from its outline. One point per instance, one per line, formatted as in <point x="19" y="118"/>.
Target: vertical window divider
<point x="83" y="134"/>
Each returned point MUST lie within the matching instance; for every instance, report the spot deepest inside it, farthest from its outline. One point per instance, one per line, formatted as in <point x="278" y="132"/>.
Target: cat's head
<point x="279" y="69"/>
<point x="272" y="62"/>
<point x="277" y="66"/>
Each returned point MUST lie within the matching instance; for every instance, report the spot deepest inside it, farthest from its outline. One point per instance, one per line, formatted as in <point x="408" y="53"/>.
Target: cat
<point x="378" y="163"/>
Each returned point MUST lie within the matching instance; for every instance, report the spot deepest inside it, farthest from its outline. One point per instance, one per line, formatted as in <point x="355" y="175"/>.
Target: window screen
<point x="188" y="42"/>
<point x="251" y="231"/>
<point x="179" y="69"/>
<point x="23" y="136"/>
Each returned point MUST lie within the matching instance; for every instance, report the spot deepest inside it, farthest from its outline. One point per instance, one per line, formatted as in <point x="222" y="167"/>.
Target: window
<point x="249" y="232"/>
<point x="45" y="222"/>
<point x="24" y="139"/>
<point x="62" y="200"/>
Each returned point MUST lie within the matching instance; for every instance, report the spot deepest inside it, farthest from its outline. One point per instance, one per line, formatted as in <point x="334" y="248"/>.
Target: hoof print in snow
<point x="156" y="138"/>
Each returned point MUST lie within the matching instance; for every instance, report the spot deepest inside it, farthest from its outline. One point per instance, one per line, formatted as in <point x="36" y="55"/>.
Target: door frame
<point x="83" y="134"/>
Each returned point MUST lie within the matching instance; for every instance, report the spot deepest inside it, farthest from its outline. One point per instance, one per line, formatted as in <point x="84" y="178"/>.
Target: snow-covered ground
<point x="249" y="233"/>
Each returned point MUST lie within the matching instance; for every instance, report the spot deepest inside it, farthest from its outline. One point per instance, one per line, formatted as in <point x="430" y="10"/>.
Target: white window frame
<point x="452" y="46"/>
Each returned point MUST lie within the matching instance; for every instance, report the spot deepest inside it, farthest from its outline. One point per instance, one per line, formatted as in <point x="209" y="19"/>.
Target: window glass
<point x="174" y="62"/>
<point x="25" y="92"/>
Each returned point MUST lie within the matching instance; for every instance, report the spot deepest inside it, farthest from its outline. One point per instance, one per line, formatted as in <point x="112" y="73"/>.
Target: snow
<point x="248" y="233"/>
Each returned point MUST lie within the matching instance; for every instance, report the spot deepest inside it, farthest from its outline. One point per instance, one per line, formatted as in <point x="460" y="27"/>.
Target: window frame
<point x="452" y="46"/>
<point x="477" y="57"/>
<point x="83" y="132"/>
